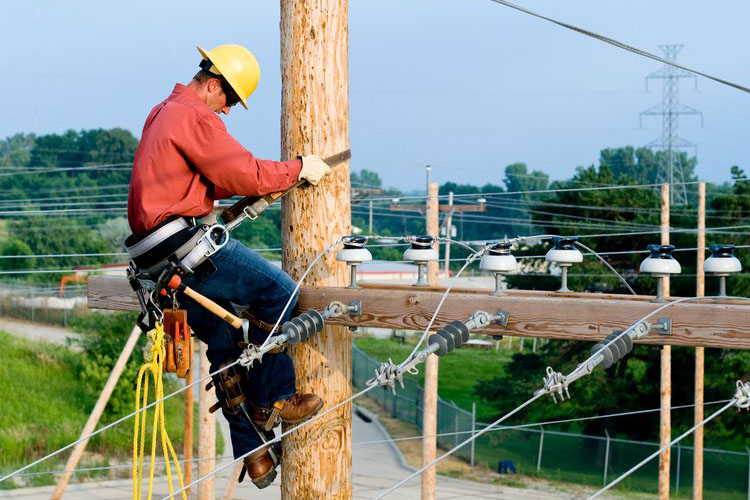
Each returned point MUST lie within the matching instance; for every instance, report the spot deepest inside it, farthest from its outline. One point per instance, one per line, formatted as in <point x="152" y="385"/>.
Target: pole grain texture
<point x="429" y="407"/>
<point x="700" y="290"/>
<point x="315" y="120"/>
<point x="665" y="428"/>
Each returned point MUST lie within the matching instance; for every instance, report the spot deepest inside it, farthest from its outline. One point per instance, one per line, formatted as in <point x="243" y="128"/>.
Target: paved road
<point x="36" y="331"/>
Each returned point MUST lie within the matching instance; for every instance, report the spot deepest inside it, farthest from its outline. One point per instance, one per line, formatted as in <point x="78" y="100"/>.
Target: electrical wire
<point x="666" y="446"/>
<point x="455" y="448"/>
<point x="274" y="440"/>
<point x="621" y="45"/>
<point x="598" y="256"/>
<point x="541" y="424"/>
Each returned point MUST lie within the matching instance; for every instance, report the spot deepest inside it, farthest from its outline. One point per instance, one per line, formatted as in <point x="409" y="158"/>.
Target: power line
<point x="621" y="45"/>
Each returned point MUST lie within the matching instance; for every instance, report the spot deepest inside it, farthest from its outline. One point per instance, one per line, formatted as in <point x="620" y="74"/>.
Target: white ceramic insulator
<point x="722" y="265"/>
<point x="573" y="256"/>
<point x="498" y="263"/>
<point x="420" y="254"/>
<point x="660" y="266"/>
<point x="355" y="255"/>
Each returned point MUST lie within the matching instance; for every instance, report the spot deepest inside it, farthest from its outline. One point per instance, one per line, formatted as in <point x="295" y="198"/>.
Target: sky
<point x="466" y="86"/>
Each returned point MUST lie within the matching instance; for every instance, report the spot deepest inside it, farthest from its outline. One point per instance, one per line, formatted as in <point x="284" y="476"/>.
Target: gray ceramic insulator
<point x="461" y="327"/>
<point x="442" y="344"/>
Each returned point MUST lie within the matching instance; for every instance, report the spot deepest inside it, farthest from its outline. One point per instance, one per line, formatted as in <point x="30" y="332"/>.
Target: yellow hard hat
<point x="237" y="65"/>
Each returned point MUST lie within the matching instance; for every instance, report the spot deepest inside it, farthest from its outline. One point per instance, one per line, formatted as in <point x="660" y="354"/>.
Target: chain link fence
<point x="561" y="456"/>
<point x="42" y="304"/>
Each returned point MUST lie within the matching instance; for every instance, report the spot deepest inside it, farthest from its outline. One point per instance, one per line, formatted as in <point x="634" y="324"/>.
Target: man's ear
<point x="214" y="85"/>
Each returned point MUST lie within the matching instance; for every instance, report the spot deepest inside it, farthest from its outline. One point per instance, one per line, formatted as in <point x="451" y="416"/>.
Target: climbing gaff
<point x="604" y="354"/>
<point x="298" y="329"/>
<point x="442" y="342"/>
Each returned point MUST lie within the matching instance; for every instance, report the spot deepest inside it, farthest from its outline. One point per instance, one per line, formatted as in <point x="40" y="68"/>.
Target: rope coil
<point x="153" y="366"/>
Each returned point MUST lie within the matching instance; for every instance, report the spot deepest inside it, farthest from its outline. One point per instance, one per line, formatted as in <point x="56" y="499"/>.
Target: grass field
<point x="44" y="408"/>
<point x="457" y="373"/>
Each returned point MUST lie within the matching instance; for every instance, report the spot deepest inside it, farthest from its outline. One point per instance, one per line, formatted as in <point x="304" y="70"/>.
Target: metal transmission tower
<point x="671" y="169"/>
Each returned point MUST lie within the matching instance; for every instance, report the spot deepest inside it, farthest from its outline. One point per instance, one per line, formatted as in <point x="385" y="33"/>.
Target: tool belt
<point x="177" y="246"/>
<point x="178" y="240"/>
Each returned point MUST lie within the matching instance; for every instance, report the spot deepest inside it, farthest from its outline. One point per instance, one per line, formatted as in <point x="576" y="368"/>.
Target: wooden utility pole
<point x="665" y="429"/>
<point x="429" y="407"/>
<point x="96" y="413"/>
<point x="700" y="290"/>
<point x="206" y="433"/>
<point x="315" y="120"/>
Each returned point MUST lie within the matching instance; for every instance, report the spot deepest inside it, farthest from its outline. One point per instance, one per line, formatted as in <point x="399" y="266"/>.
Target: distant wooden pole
<point x="431" y="224"/>
<point x="448" y="234"/>
<point x="96" y="413"/>
<point x="233" y="481"/>
<point x="370" y="216"/>
<point x="700" y="290"/>
<point x="429" y="407"/>
<point x="206" y="434"/>
<point x="317" y="459"/>
<point x="665" y="429"/>
<point x="187" y="451"/>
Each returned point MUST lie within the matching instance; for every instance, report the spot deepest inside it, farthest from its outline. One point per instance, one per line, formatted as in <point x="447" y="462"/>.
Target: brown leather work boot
<point x="294" y="410"/>
<point x="261" y="468"/>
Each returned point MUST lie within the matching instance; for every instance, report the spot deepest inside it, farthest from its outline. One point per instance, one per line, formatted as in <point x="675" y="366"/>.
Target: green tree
<point x="365" y="179"/>
<point x="15" y="247"/>
<point x="15" y="151"/>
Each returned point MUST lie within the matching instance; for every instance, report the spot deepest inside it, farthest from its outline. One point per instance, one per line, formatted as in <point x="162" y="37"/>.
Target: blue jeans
<point x="245" y="278"/>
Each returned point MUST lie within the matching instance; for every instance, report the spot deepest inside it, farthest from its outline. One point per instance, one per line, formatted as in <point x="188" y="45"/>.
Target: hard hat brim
<point x="228" y="78"/>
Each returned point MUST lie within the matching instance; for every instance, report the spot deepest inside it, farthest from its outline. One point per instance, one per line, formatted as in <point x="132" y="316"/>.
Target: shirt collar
<point x="184" y="91"/>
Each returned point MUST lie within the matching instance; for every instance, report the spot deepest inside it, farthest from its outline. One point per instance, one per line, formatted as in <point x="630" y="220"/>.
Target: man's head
<point x="229" y="74"/>
<point x="215" y="91"/>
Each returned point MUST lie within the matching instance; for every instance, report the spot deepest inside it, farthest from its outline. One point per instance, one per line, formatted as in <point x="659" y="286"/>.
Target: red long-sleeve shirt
<point x="186" y="159"/>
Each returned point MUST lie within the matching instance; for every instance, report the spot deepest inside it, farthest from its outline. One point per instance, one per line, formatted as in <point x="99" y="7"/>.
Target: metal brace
<point x="502" y="317"/>
<point x="663" y="326"/>
<point x="253" y="353"/>
<point x="387" y="375"/>
<point x="355" y="308"/>
<point x="480" y="319"/>
<point x="336" y="309"/>
<point x="555" y="385"/>
<point x="742" y="395"/>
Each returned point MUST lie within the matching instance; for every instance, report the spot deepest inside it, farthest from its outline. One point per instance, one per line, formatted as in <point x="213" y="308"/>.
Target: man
<point x="185" y="161"/>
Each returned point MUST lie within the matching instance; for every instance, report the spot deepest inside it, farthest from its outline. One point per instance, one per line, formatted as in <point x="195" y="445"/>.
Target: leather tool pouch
<point x="178" y="343"/>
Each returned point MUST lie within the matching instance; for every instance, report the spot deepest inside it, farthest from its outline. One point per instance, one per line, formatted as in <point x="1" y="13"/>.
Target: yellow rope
<point x="153" y="365"/>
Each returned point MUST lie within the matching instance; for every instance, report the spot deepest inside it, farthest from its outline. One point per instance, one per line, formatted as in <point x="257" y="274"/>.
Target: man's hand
<point x="313" y="169"/>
